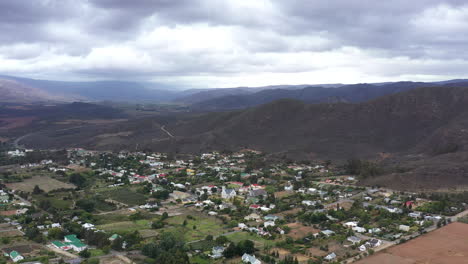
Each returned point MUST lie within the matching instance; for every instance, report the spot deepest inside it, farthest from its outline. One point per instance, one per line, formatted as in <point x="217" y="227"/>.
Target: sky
<point x="229" y="43"/>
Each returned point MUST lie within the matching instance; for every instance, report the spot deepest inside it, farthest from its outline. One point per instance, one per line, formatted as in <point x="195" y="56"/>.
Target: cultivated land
<point x="45" y="183"/>
<point x="447" y="245"/>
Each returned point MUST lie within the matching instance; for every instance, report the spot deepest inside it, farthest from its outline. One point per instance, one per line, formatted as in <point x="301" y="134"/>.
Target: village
<point x="80" y="206"/>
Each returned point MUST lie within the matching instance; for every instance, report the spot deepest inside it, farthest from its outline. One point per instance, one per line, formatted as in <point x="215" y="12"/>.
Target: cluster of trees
<point x="244" y="246"/>
<point x="363" y="168"/>
<point x="169" y="249"/>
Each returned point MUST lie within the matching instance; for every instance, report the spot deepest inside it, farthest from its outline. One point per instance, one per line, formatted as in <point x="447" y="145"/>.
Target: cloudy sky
<point x="227" y="43"/>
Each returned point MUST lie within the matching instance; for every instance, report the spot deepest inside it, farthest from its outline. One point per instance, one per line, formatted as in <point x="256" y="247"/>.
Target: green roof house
<point x="75" y="243"/>
<point x="15" y="256"/>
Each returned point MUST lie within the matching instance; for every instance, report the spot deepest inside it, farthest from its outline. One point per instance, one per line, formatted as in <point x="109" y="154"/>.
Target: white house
<point x="308" y="203"/>
<point x="246" y="258"/>
<point x="330" y="256"/>
<point x="404" y="228"/>
<point x="228" y="193"/>
<point x="359" y="229"/>
<point x="269" y="223"/>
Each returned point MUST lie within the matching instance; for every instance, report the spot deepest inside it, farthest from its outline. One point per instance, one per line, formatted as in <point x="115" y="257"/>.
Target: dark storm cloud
<point x="187" y="38"/>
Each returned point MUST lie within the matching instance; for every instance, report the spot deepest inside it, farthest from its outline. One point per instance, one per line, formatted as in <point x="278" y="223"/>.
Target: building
<point x="228" y="193"/>
<point x="15" y="256"/>
<point x="374" y="243"/>
<point x="246" y="258"/>
<point x="404" y="228"/>
<point x="217" y="252"/>
<point x="330" y="256"/>
<point x="354" y="239"/>
<point x="75" y="243"/>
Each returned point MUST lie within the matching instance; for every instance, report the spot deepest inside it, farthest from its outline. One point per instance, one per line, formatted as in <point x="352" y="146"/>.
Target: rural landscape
<point x="233" y="131"/>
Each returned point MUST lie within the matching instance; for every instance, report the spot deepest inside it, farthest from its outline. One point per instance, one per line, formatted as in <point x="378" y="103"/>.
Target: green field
<point x="259" y="241"/>
<point x="126" y="226"/>
<point x="125" y="195"/>
<point x="57" y="201"/>
<point x="204" y="226"/>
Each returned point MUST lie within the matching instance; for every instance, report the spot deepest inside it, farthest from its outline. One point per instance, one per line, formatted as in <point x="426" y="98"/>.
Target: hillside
<point x="354" y="93"/>
<point x="412" y="132"/>
<point x="121" y="91"/>
<point x="12" y="91"/>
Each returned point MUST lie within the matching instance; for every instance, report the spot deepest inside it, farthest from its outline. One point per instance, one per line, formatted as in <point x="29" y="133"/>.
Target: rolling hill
<point x="13" y="91"/>
<point x="354" y="93"/>
<point x="401" y="131"/>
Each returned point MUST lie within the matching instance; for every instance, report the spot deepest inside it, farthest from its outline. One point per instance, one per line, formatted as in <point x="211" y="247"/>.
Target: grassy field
<point x="96" y="252"/>
<point x="259" y="241"/>
<point x="57" y="200"/>
<point x="126" y="226"/>
<point x="125" y="195"/>
<point x="45" y="183"/>
<point x="205" y="225"/>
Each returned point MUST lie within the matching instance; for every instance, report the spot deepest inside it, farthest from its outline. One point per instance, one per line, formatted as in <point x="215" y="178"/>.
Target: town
<point x="81" y="206"/>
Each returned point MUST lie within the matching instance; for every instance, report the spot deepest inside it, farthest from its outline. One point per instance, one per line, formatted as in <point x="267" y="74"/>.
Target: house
<point x="354" y="239"/>
<point x="359" y="229"/>
<point x="374" y="243"/>
<point x="257" y="193"/>
<point x="271" y="217"/>
<point x="88" y="226"/>
<point x="228" y="193"/>
<point x="415" y="214"/>
<point x="61" y="245"/>
<point x="350" y="224"/>
<point x="330" y="256"/>
<point x="269" y="223"/>
<point x="404" y="228"/>
<point x="75" y="243"/>
<point x="252" y="216"/>
<point x="328" y="232"/>
<point x="362" y="248"/>
<point x="15" y="256"/>
<point x="308" y="203"/>
<point x="113" y="237"/>
<point x="217" y="252"/>
<point x="246" y="258"/>
<point x="242" y="226"/>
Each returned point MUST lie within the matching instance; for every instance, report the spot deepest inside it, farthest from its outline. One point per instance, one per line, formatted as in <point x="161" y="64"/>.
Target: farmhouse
<point x="228" y="193"/>
<point x="75" y="243"/>
<point x="246" y="258"/>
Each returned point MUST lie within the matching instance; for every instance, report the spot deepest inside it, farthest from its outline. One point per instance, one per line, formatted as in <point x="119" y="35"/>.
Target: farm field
<point x="447" y="245"/>
<point x="45" y="183"/>
<point x="125" y="195"/>
<point x="205" y="225"/>
<point x="299" y="230"/>
<point x="259" y="241"/>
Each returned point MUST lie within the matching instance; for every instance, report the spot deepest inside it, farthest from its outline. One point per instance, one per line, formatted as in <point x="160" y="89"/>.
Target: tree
<point x="37" y="190"/>
<point x="221" y="240"/>
<point x="86" y="204"/>
<point x="78" y="180"/>
<point x="85" y="253"/>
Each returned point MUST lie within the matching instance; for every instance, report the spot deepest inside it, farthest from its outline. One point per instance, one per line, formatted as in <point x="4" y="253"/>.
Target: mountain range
<point x="419" y="136"/>
<point x="215" y="99"/>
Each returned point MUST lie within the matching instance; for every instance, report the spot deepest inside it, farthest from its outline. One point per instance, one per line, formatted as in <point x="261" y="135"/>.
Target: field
<point x="125" y="195"/>
<point x="205" y="225"/>
<point x="7" y="230"/>
<point x="45" y="183"/>
<point x="299" y="230"/>
<point x="447" y="245"/>
<point x="259" y="241"/>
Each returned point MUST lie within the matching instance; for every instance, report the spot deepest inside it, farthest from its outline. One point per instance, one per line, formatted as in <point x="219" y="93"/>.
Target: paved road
<point x="167" y="132"/>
